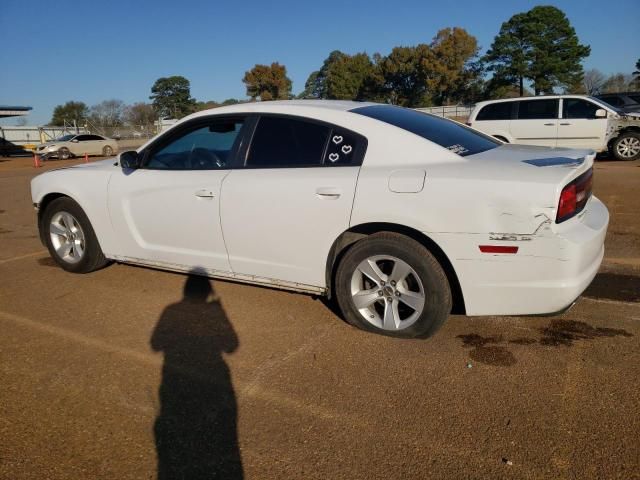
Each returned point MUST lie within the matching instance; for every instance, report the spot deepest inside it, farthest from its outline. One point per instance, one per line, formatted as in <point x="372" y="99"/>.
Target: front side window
<point x="576" y="108"/>
<point x="205" y="147"/>
<point x="446" y="133"/>
<point x="287" y="142"/>
<point x="537" y="109"/>
<point x="495" y="111"/>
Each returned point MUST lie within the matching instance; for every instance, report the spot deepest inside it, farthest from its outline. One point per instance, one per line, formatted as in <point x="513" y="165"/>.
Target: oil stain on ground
<point x="493" y="350"/>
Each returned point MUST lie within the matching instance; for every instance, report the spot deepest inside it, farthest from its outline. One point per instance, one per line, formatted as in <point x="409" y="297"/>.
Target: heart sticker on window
<point x="337" y="139"/>
<point x="334" y="157"/>
<point x="346" y="149"/>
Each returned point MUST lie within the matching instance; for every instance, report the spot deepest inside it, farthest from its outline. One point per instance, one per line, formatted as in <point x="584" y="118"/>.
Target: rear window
<point x="537" y="109"/>
<point x="495" y="111"/>
<point x="446" y="133"/>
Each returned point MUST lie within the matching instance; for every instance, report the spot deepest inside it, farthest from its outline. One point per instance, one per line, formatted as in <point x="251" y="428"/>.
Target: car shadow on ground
<point x="196" y="428"/>
<point x="621" y="287"/>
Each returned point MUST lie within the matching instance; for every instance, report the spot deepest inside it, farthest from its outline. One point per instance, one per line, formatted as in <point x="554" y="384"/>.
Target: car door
<point x="167" y="212"/>
<point x="78" y="145"/>
<point x="535" y="122"/>
<point x="579" y="126"/>
<point x="283" y="210"/>
<point x="97" y="144"/>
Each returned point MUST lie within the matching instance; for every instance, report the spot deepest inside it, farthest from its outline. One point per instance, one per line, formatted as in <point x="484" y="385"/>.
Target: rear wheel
<point x="626" y="146"/>
<point x="70" y="239"/>
<point x="391" y="284"/>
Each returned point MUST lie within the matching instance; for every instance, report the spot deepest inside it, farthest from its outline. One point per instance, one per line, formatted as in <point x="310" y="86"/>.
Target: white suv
<point x="560" y="121"/>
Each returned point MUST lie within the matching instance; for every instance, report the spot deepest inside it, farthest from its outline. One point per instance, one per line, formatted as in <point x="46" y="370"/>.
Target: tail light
<point x="574" y="196"/>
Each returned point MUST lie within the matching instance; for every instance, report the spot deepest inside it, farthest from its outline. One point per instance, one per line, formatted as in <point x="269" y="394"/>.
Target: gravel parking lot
<point x="130" y="373"/>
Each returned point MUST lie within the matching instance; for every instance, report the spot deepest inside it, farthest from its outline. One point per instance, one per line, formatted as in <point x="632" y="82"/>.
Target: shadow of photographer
<point x="196" y="431"/>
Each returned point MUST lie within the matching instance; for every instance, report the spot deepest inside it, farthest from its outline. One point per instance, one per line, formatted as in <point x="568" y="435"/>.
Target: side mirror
<point x="601" y="113"/>
<point x="129" y="160"/>
<point x="75" y="140"/>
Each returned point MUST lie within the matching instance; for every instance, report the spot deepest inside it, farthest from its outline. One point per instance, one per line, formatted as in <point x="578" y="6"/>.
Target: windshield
<point x="65" y="138"/>
<point x="605" y="104"/>
<point x="446" y="133"/>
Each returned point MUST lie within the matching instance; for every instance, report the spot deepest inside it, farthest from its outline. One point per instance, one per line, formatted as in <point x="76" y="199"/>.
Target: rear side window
<point x="287" y="142"/>
<point x="537" y="109"/>
<point x="446" y="133"/>
<point x="495" y="111"/>
<point x="576" y="108"/>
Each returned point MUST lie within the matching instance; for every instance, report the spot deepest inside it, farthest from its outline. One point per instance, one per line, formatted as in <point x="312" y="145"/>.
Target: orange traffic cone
<point x="86" y="158"/>
<point x="36" y="161"/>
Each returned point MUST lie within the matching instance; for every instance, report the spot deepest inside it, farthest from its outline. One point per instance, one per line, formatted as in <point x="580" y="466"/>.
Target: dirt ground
<point x="132" y="373"/>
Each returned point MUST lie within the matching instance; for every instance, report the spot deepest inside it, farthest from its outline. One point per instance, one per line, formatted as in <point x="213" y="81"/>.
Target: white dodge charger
<point x="400" y="216"/>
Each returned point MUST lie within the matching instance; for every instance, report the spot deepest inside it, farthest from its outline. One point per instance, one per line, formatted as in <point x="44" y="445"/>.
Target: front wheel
<point x="64" y="153"/>
<point x="391" y="284"/>
<point x="626" y="146"/>
<point x="107" y="151"/>
<point x="70" y="238"/>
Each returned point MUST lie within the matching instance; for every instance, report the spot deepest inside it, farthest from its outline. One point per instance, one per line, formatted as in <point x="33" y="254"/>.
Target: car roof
<point x="276" y="106"/>
<point x="537" y="97"/>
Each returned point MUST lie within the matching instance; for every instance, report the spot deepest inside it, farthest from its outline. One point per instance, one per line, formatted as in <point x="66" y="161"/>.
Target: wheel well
<point x="621" y="132"/>
<point x="342" y="244"/>
<point x="42" y="206"/>
<point x="501" y="138"/>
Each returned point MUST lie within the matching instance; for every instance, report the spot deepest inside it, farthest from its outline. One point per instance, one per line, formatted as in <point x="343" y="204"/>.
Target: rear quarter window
<point x="495" y="111"/>
<point x="446" y="133"/>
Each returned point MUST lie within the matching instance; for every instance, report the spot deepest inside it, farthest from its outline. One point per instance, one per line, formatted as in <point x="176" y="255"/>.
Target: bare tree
<point x="616" y="83"/>
<point x="594" y="79"/>
<point x="107" y="114"/>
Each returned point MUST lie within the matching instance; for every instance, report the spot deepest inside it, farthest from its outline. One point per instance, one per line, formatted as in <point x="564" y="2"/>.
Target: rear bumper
<point x="547" y="274"/>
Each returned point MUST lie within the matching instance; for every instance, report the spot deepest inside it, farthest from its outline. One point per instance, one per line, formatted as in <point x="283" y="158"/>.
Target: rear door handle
<point x="204" y="193"/>
<point x="549" y="124"/>
<point x="329" y="193"/>
<point x="565" y="124"/>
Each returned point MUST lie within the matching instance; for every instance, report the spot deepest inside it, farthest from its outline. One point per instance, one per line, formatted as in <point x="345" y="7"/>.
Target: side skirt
<point x="236" y="277"/>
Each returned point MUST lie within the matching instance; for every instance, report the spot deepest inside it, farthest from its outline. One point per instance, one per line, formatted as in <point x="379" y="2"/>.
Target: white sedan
<point x="401" y="216"/>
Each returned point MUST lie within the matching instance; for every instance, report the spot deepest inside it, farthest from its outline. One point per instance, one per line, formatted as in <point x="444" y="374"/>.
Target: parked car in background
<point x="70" y="146"/>
<point x="575" y="121"/>
<point x="399" y="215"/>
<point x="627" y="102"/>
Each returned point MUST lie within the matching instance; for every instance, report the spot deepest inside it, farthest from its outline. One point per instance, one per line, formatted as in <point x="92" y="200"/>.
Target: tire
<point x="107" y="151"/>
<point x="66" y="228"/>
<point x="64" y="153"/>
<point x="414" y="300"/>
<point x="626" y="146"/>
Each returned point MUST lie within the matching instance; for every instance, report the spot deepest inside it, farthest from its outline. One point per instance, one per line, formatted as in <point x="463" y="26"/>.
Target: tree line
<point x="538" y="48"/>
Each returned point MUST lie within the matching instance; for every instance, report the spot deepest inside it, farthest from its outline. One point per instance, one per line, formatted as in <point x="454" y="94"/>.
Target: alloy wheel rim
<point x="628" y="147"/>
<point x="67" y="237"/>
<point x="387" y="292"/>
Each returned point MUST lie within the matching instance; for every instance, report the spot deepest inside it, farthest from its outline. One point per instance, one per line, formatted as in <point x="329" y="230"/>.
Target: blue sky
<point x="54" y="51"/>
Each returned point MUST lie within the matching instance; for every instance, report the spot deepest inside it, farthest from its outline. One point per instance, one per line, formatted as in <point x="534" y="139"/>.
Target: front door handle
<point x="549" y="124"/>
<point x="329" y="193"/>
<point x="565" y="124"/>
<point x="204" y="193"/>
